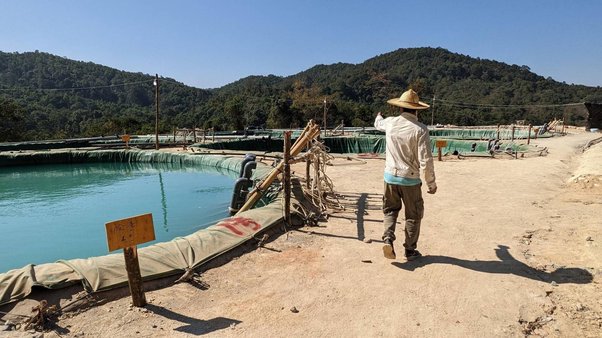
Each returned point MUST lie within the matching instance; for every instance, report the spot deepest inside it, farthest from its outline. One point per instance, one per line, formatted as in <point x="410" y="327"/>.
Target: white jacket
<point x="408" y="147"/>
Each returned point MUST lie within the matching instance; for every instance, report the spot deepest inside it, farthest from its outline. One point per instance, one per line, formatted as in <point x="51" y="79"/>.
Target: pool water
<point x="52" y="212"/>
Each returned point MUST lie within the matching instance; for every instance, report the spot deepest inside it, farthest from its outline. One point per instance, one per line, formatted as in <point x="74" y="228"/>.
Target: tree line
<point x="44" y="96"/>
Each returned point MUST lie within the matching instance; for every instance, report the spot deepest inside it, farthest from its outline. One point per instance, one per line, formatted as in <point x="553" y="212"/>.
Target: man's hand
<point x="432" y="190"/>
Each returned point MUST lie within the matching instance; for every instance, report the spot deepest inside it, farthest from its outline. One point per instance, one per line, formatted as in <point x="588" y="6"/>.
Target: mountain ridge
<point x="48" y="96"/>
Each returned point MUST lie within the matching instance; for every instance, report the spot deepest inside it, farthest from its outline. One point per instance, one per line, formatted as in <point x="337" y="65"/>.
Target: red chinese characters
<point x="240" y="225"/>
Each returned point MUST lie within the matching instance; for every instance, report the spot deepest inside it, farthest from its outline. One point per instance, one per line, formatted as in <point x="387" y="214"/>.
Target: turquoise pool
<point x="58" y="211"/>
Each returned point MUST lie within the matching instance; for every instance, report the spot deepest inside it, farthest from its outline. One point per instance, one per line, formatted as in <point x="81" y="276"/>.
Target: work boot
<point x="388" y="250"/>
<point x="412" y="254"/>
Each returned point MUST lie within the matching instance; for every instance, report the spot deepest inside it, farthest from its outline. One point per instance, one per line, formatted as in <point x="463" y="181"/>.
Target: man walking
<point x="408" y="150"/>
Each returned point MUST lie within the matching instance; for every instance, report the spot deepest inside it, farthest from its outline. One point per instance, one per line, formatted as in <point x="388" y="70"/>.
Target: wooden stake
<point x="307" y="167"/>
<point x="287" y="177"/>
<point x="529" y="136"/>
<point x="194" y="134"/>
<point x="134" y="277"/>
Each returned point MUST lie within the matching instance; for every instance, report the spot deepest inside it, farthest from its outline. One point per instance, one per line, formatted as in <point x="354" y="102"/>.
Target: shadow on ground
<point x="195" y="326"/>
<point x="506" y="265"/>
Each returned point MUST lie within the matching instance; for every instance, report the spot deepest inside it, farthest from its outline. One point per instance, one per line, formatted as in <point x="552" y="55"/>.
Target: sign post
<point x="126" y="138"/>
<point x="440" y="144"/>
<point x="125" y="234"/>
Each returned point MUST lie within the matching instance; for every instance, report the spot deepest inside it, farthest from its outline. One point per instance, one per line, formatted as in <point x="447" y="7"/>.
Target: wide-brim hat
<point x="409" y="99"/>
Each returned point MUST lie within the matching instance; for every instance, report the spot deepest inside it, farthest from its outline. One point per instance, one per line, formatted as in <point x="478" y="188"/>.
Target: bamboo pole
<point x="529" y="136"/>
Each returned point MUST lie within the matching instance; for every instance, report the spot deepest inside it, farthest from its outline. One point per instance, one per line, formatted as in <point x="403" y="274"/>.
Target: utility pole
<point x="156" y="83"/>
<point x="433" y="113"/>
<point x="324" y="121"/>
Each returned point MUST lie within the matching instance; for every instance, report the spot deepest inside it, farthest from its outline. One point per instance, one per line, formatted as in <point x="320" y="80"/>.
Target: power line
<point x="478" y="105"/>
<point x="78" y="88"/>
<point x="163" y="80"/>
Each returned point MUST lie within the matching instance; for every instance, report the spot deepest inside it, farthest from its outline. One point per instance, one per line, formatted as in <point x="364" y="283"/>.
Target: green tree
<point x="12" y="122"/>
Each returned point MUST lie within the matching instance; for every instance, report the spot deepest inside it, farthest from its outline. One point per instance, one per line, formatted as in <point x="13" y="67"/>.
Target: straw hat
<point x="409" y="99"/>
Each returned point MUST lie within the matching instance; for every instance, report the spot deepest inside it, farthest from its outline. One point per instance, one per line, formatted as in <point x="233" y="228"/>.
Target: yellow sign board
<point x="440" y="143"/>
<point x="130" y="231"/>
<point x="125" y="138"/>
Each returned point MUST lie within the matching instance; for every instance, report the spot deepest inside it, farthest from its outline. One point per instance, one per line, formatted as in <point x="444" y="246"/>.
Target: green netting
<point x="137" y="140"/>
<point x="39" y="145"/>
<point x="484" y="134"/>
<point x="474" y="134"/>
<point x="262" y="144"/>
<point x="105" y="141"/>
<point x="227" y="165"/>
<point x="365" y="144"/>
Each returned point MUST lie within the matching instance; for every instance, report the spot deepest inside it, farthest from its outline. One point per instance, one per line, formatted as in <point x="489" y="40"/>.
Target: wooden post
<point x="562" y="130"/>
<point x="440" y="144"/>
<point x="512" y="133"/>
<point x="307" y="167"/>
<point x="529" y="136"/>
<point x="194" y="134"/>
<point x="126" y="138"/>
<point x="287" y="177"/>
<point x="174" y="136"/>
<point x="156" y="111"/>
<point x="134" y="277"/>
<point x="498" y="132"/>
<point x="213" y="134"/>
<point x="324" y="121"/>
<point x="342" y="127"/>
<point x="125" y="234"/>
<point x="433" y="112"/>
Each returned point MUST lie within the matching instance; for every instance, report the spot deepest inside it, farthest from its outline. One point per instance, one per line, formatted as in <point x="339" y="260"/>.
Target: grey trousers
<point x="410" y="197"/>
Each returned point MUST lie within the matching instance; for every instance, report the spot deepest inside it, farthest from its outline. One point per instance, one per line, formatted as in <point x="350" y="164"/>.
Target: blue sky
<point x="208" y="44"/>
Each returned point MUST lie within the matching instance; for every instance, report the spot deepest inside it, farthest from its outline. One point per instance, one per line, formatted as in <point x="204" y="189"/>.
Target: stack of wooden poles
<point x="311" y="131"/>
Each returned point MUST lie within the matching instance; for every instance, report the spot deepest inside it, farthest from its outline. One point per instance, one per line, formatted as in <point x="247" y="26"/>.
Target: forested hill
<point x="46" y="96"/>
